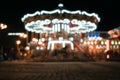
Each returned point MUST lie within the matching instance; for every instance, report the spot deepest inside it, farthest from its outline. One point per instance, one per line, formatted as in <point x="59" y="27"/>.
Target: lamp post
<point x="2" y="36"/>
<point x="18" y="42"/>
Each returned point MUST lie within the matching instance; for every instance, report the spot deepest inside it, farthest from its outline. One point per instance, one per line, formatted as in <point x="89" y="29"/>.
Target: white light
<point x="60" y="5"/>
<point x="49" y="38"/>
<point x="58" y="11"/>
<point x="43" y="39"/>
<point x="71" y="38"/>
<point x="37" y="48"/>
<point x="39" y="42"/>
<point x="81" y="26"/>
<point x="81" y="40"/>
<point x="69" y="25"/>
<point x="61" y="38"/>
<point x="14" y="34"/>
<point x="51" y="43"/>
<point x="27" y="48"/>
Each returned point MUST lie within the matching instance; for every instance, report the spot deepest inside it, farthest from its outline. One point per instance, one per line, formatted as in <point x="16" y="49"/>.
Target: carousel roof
<point x="79" y="21"/>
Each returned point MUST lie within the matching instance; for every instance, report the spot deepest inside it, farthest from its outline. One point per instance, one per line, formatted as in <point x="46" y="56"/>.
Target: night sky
<point x="11" y="12"/>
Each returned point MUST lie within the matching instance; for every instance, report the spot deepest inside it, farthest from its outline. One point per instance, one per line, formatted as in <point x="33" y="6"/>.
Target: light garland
<point x="41" y="25"/>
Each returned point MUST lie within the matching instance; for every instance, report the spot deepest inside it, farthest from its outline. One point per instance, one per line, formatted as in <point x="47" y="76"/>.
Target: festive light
<point x="55" y="24"/>
<point x="51" y="44"/>
<point x="61" y="23"/>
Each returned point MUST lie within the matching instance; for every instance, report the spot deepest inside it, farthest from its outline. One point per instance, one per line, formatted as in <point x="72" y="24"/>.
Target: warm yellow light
<point x="102" y="42"/>
<point x="34" y="39"/>
<point x="3" y="26"/>
<point x="18" y="42"/>
<point x="25" y="36"/>
<point x="25" y="54"/>
<point x="119" y="42"/>
<point x="22" y="35"/>
<point x="112" y="42"/>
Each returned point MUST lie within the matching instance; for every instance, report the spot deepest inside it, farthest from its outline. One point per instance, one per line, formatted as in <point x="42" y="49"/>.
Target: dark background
<point x="11" y="12"/>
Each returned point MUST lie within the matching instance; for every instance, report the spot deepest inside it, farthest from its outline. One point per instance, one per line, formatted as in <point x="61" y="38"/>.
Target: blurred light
<point x="37" y="48"/>
<point x="25" y="54"/>
<point x="27" y="48"/>
<point x="18" y="42"/>
<point x="14" y="34"/>
<point x="23" y="35"/>
<point x="108" y="56"/>
<point x="3" y="26"/>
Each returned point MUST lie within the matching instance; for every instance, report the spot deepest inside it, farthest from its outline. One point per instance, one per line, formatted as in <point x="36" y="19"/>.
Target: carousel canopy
<point x="55" y="20"/>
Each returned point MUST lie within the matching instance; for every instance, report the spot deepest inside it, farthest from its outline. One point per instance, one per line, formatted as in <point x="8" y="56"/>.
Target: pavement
<point x="23" y="70"/>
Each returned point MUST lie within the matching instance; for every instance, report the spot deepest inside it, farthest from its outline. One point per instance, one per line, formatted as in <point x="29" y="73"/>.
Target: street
<point x="21" y="70"/>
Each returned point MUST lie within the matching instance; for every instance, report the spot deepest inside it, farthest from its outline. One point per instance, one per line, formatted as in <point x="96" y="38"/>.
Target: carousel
<point x="60" y="27"/>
